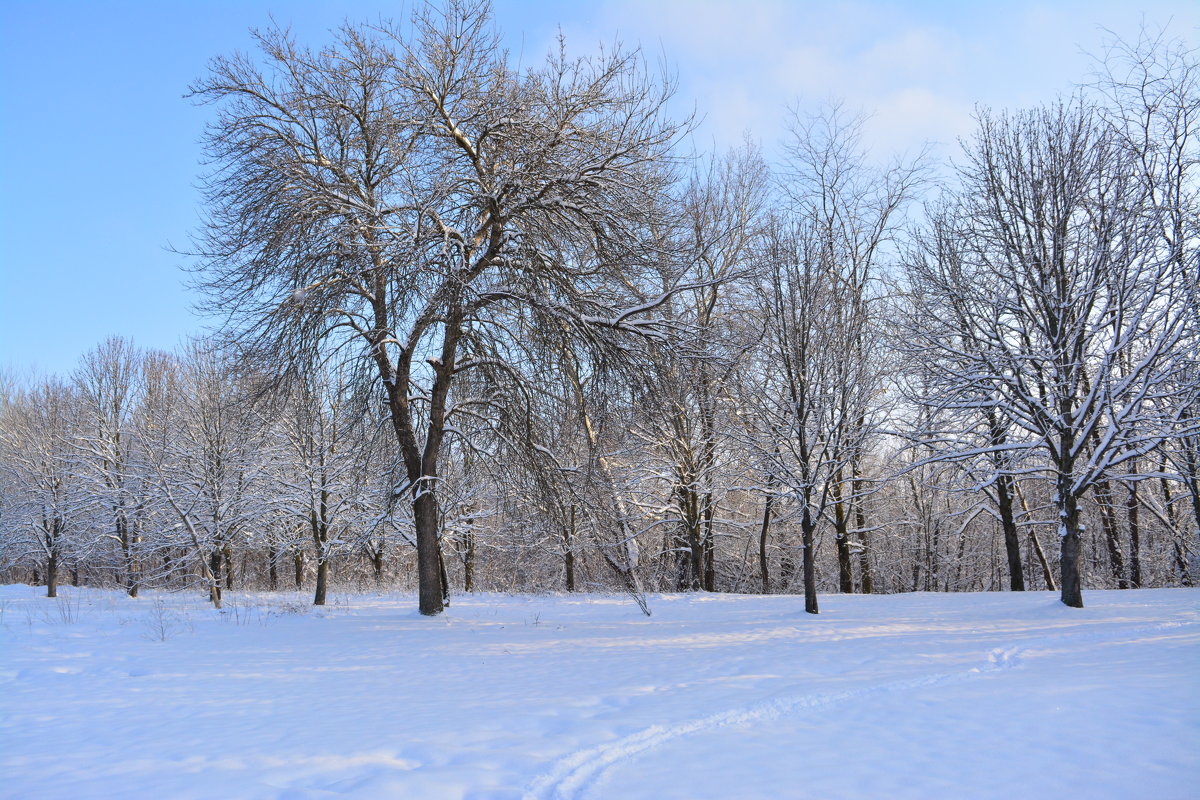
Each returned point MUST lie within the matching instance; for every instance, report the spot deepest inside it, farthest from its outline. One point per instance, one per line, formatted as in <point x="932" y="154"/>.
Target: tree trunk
<point x="695" y="571"/>
<point x="211" y="577"/>
<point x="214" y="568"/>
<point x="443" y="577"/>
<point x="1181" y="564"/>
<point x="1132" y="514"/>
<point x="1047" y="573"/>
<point x="322" y="579"/>
<point x="1069" y="533"/>
<point x="1012" y="541"/>
<point x="52" y="574"/>
<point x="469" y="562"/>
<point x="842" y="543"/>
<point x="127" y="554"/>
<point x="1112" y="532"/>
<point x="1043" y="562"/>
<point x="431" y="598"/>
<point x="228" y="557"/>
<point x="807" y="528"/>
<point x="569" y="555"/>
<point x="865" y="575"/>
<point x="298" y="568"/>
<point x="132" y="567"/>
<point x="1189" y="446"/>
<point x="710" y="547"/>
<point x="273" y="568"/>
<point x="762" y="545"/>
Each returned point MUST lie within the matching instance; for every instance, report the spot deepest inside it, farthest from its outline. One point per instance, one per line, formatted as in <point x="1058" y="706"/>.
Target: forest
<point x="481" y="327"/>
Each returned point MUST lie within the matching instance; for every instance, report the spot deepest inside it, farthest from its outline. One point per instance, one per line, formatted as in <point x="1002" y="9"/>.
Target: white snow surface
<point x="714" y="696"/>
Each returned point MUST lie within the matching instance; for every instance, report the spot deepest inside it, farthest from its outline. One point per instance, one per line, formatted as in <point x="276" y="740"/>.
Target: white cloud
<point x="918" y="69"/>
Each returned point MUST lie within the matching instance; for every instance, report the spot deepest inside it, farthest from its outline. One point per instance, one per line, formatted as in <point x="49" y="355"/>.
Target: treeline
<point x="491" y="329"/>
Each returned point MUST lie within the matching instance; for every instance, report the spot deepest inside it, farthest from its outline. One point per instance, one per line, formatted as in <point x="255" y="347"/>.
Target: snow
<point x="714" y="696"/>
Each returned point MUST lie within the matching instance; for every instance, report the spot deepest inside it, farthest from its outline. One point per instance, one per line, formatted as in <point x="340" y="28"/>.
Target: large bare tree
<point x="407" y="199"/>
<point x="1077" y="327"/>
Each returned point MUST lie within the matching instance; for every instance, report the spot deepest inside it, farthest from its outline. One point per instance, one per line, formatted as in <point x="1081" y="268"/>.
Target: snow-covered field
<point x="715" y="696"/>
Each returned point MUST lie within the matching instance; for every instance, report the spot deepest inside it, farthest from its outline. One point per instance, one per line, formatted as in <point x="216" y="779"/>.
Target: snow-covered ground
<point x="715" y="696"/>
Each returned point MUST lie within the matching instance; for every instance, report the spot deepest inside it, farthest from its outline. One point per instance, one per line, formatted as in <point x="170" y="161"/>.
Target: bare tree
<point x="40" y="459"/>
<point x="209" y="458"/>
<point x="109" y="384"/>
<point x="404" y="198"/>
<point x="1151" y="93"/>
<point x="322" y="460"/>
<point x="1078" y="329"/>
<point x="682" y="394"/>
<point x="976" y="435"/>
<point x="822" y="380"/>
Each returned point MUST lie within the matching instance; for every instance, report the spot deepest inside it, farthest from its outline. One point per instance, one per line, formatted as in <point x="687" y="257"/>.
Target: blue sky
<point x="100" y="154"/>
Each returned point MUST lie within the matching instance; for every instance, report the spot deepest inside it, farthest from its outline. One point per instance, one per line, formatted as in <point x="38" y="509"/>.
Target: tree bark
<point x="322" y="580"/>
<point x="710" y="549"/>
<point x="469" y="562"/>
<point x="1112" y="532"/>
<point x="569" y="555"/>
<point x="865" y="574"/>
<point x="841" y="540"/>
<point x="429" y="579"/>
<point x="1132" y="516"/>
<point x="132" y="567"/>
<point x="443" y="576"/>
<point x="1068" y="512"/>
<point x="1012" y="541"/>
<point x="52" y="574"/>
<point x="807" y="528"/>
<point x="228" y="558"/>
<point x="273" y="568"/>
<point x="762" y="544"/>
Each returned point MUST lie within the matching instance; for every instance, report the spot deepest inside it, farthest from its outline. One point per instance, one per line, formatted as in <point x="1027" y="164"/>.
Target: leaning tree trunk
<point x="1038" y="551"/>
